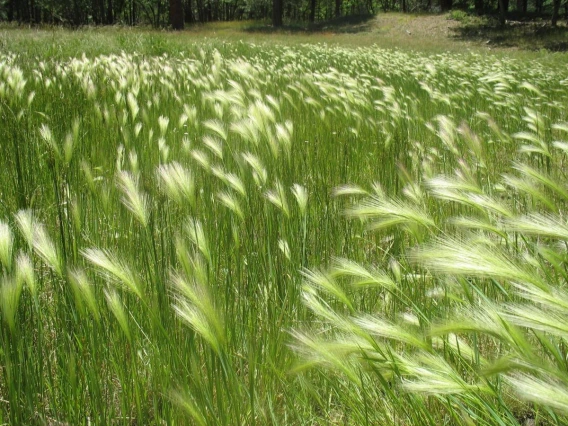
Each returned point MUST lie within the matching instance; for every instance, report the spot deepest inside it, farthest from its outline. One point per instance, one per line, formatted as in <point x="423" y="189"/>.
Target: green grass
<point x="214" y="231"/>
<point x="431" y="33"/>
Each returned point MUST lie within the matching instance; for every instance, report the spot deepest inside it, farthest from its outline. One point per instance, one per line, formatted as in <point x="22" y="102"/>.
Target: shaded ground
<point x="426" y="30"/>
<point x="346" y="25"/>
<point x="417" y="29"/>
<point x="534" y="34"/>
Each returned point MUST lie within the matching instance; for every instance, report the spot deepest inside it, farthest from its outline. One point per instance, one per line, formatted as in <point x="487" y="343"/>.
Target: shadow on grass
<point x="344" y="25"/>
<point x="528" y="33"/>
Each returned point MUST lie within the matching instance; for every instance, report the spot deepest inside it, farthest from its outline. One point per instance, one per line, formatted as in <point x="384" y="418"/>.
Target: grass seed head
<point x="25" y="273"/>
<point x="132" y="198"/>
<point x="548" y="391"/>
<point x="10" y="291"/>
<point x="177" y="183"/>
<point x="117" y="308"/>
<point x="301" y="196"/>
<point x="112" y="267"/>
<point x="46" y="250"/>
<point x="6" y="245"/>
<point x="83" y="290"/>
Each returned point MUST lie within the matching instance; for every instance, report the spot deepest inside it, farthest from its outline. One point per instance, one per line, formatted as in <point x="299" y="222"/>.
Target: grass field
<point x="198" y="230"/>
<point x="434" y="33"/>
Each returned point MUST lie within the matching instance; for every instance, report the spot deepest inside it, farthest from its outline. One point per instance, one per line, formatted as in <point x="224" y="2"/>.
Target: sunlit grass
<point x="236" y="234"/>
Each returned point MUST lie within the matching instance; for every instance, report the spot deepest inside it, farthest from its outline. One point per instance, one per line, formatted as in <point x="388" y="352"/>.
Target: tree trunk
<point x="337" y="8"/>
<point x="208" y="16"/>
<point x="157" y="14"/>
<point x="176" y="15"/>
<point x="200" y="11"/>
<point x="32" y="12"/>
<point x="312" y="10"/>
<point x="76" y="13"/>
<point x="110" y="14"/>
<point x="101" y="18"/>
<point x="188" y="11"/>
<point x="277" y="13"/>
<point x="96" y="12"/>
<point x="403" y="6"/>
<point x="502" y="13"/>
<point x="445" y="5"/>
<point x="134" y="14"/>
<point x="10" y="10"/>
<point x="555" y="10"/>
<point x="23" y="12"/>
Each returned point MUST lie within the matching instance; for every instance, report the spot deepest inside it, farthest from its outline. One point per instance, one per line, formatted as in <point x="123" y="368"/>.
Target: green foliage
<point x="458" y="15"/>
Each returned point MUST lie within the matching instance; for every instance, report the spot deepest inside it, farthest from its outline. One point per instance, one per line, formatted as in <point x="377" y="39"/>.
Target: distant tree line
<point x="178" y="13"/>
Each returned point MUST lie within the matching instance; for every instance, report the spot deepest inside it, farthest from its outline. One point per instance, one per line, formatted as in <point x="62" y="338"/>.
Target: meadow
<point x="223" y="232"/>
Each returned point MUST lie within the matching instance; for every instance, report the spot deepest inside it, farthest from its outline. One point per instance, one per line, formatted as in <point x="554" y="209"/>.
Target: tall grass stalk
<point x="230" y="233"/>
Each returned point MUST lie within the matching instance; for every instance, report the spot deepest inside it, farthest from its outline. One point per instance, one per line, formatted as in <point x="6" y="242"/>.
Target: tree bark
<point x="10" y="10"/>
<point x="200" y="13"/>
<point x="277" y="13"/>
<point x="502" y="13"/>
<point x="134" y="14"/>
<point x="110" y="14"/>
<point x="188" y="12"/>
<point x="176" y="15"/>
<point x="76" y="13"/>
<point x="96" y="12"/>
<point x="556" y="9"/>
<point x="32" y="12"/>
<point x="312" y="10"/>
<point x="101" y="17"/>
